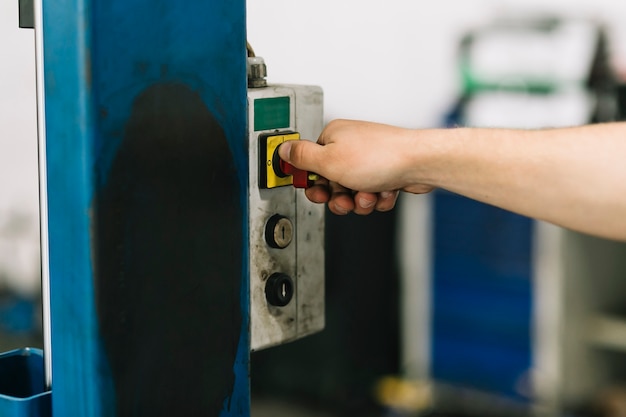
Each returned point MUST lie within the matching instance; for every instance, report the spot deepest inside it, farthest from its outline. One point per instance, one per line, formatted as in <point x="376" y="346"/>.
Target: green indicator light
<point x="271" y="113"/>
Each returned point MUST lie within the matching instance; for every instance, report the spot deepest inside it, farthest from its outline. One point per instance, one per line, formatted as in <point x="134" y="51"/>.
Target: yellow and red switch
<point x="274" y="172"/>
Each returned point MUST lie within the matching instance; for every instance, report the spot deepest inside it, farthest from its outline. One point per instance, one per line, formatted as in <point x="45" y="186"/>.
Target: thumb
<point x="302" y="154"/>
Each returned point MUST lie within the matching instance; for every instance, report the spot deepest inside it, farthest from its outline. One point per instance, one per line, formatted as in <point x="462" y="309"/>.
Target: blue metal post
<point x="145" y="122"/>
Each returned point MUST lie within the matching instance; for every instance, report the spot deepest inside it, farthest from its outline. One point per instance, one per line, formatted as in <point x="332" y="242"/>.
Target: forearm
<point x="572" y="177"/>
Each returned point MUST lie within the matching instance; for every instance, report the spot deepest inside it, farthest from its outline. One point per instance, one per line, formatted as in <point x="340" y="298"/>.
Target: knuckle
<point x="335" y="124"/>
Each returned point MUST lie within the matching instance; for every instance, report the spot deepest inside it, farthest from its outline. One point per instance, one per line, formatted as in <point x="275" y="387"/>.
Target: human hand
<point x="362" y="165"/>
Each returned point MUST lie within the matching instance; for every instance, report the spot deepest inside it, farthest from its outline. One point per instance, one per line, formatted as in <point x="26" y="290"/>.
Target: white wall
<point x="389" y="61"/>
<point x="392" y="61"/>
<point x="19" y="228"/>
<point x="17" y="109"/>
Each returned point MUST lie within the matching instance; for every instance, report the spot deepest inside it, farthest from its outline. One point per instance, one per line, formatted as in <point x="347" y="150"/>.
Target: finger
<point x="341" y="201"/>
<point x="364" y="203"/>
<point x="319" y="192"/>
<point x="302" y="154"/>
<point x="387" y="200"/>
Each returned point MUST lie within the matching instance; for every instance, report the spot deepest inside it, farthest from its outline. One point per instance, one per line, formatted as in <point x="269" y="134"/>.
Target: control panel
<point x="286" y="229"/>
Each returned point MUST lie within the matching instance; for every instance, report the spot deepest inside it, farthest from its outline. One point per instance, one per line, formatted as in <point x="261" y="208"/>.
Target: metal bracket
<point x="27" y="14"/>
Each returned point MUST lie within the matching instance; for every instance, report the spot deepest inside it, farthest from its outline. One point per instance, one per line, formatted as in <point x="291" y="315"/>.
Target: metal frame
<point x="104" y="69"/>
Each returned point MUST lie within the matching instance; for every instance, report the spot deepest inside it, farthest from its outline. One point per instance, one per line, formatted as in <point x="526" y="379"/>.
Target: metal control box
<point x="286" y="229"/>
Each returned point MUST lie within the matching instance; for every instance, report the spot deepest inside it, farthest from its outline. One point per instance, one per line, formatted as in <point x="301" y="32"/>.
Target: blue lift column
<point x="146" y="180"/>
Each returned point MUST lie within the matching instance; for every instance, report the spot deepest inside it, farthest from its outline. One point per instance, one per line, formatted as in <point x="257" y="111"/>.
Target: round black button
<point x="279" y="289"/>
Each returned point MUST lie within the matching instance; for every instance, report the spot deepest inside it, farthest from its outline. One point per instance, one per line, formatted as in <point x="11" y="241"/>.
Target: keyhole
<point x="279" y="231"/>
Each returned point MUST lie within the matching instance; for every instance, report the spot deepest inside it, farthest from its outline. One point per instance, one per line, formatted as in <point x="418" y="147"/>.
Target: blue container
<point x="482" y="296"/>
<point x="22" y="389"/>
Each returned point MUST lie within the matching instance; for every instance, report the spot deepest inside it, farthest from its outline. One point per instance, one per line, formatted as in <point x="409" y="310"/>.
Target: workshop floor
<point x="277" y="408"/>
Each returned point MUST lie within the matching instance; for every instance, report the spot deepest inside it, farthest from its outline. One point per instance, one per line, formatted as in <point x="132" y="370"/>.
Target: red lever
<point x="301" y="178"/>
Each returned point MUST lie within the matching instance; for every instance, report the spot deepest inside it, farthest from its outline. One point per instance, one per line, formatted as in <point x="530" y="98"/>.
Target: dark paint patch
<point x="168" y="271"/>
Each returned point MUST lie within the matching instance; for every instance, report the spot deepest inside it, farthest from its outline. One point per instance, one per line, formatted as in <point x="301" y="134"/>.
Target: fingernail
<point x="284" y="151"/>
<point x="340" y="209"/>
<point x="386" y="194"/>
<point x="364" y="203"/>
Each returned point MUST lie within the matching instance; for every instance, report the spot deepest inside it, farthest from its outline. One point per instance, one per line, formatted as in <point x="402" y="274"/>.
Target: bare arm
<point x="573" y="177"/>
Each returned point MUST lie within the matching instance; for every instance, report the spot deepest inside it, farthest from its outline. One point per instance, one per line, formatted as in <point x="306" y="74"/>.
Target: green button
<point x="271" y="113"/>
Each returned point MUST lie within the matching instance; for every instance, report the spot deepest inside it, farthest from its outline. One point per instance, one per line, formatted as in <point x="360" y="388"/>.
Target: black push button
<point x="279" y="289"/>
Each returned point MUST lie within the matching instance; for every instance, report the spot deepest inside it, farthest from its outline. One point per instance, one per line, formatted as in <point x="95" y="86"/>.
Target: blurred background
<point x="444" y="307"/>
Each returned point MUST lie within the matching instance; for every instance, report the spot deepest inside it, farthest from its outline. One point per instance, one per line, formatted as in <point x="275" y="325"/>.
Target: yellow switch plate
<point x="267" y="146"/>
